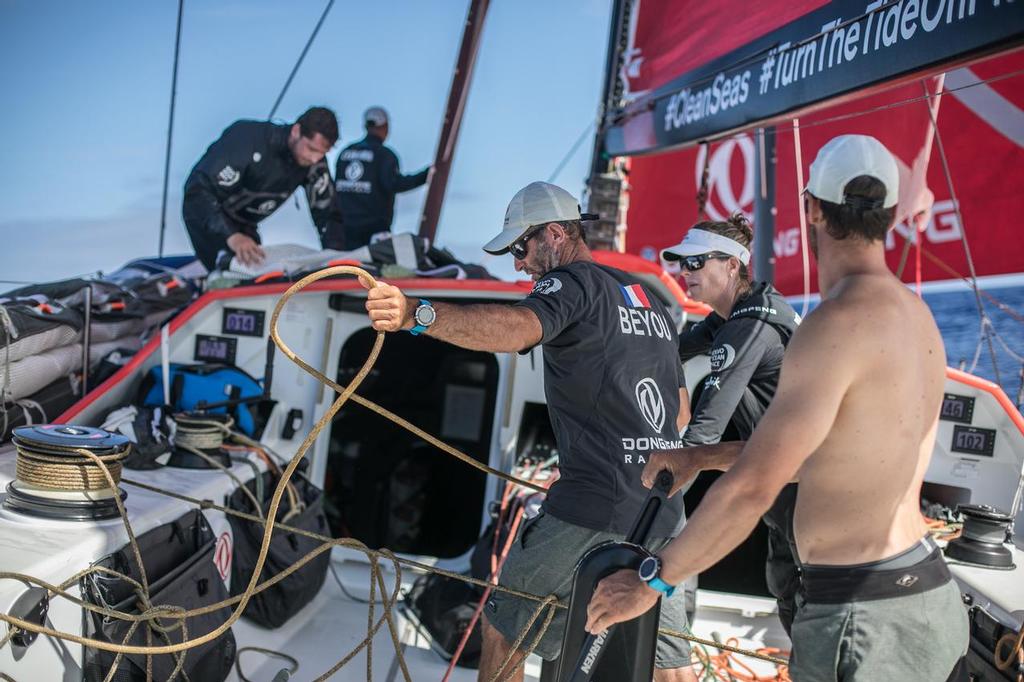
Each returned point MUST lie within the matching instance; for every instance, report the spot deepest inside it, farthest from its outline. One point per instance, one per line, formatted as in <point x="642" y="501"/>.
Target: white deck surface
<point x="327" y="629"/>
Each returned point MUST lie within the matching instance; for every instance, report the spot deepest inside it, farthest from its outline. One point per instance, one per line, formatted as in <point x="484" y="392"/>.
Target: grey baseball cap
<point x="376" y="116"/>
<point x="536" y="204"/>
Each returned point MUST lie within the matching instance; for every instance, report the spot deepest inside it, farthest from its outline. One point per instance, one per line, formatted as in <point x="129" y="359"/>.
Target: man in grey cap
<point x="611" y="373"/>
<point x="854" y="420"/>
<point x="367" y="179"/>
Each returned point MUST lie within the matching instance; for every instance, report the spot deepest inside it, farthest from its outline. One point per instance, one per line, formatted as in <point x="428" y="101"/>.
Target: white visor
<point x="698" y="242"/>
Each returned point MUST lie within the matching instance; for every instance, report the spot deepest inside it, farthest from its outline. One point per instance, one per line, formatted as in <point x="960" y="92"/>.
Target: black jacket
<point x="368" y="177"/>
<point x="246" y="175"/>
<point x="746" y="356"/>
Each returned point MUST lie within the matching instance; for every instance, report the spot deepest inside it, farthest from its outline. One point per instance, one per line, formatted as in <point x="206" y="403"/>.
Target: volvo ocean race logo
<point x="652" y="407"/>
<point x="353" y="171"/>
<point x="722" y="357"/>
<point x="547" y="286"/>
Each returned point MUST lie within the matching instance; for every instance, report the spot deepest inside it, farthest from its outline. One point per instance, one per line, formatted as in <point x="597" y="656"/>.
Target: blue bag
<point x="194" y="386"/>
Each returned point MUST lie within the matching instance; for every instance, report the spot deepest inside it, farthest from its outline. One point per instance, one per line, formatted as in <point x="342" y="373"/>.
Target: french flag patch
<point x="635" y="296"/>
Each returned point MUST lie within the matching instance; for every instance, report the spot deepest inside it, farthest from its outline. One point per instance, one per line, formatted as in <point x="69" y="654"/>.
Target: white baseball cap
<point x="846" y="157"/>
<point x="538" y="203"/>
<point x="697" y="242"/>
<point x="376" y="116"/>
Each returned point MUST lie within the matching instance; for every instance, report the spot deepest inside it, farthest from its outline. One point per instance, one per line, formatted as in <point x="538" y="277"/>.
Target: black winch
<point x="983" y="538"/>
<point x="56" y="480"/>
<point x="199" y="440"/>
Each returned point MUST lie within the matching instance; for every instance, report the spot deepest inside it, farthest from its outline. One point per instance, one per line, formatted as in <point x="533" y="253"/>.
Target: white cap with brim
<point x="847" y="157"/>
<point x="536" y="204"/>
<point x="376" y="116"/>
<point x="697" y="242"/>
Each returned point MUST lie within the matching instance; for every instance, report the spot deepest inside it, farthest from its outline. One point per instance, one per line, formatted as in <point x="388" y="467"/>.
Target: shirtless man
<point x="854" y="421"/>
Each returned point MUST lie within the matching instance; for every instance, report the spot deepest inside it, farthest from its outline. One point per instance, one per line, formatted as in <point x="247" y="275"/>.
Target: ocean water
<point x="956" y="313"/>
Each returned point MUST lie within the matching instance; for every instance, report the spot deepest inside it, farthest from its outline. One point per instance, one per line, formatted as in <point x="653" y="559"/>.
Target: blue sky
<point x="87" y="86"/>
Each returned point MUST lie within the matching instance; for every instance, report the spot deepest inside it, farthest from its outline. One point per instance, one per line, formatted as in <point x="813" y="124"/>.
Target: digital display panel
<point x="973" y="441"/>
<point x="215" y="349"/>
<point x="957" y="408"/>
<point x="241" y="322"/>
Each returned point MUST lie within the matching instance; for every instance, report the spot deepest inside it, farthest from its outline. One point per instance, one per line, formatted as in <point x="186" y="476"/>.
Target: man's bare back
<point x="858" y="498"/>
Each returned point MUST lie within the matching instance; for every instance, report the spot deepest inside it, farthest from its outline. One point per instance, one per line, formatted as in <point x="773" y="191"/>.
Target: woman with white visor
<point x="746" y="336"/>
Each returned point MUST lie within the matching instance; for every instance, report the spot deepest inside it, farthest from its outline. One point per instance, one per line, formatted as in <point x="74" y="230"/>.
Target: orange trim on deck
<point x="997" y="392"/>
<point x="521" y="287"/>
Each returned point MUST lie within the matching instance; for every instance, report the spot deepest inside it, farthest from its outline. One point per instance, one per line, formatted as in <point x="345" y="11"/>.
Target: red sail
<point x="981" y="125"/>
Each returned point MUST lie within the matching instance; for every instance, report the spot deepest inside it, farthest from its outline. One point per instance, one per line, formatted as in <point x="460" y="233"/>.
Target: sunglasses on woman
<point x="694" y="263"/>
<point x="518" y="248"/>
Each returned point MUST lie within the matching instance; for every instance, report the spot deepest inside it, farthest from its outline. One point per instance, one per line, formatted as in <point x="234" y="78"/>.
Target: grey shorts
<point x="908" y="638"/>
<point x="541" y="562"/>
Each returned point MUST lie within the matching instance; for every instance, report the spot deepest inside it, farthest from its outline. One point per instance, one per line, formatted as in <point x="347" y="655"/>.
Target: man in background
<point x="368" y="177"/>
<point x="248" y="173"/>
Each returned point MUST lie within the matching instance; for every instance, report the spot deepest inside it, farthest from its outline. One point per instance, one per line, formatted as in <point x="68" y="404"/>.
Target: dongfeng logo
<point x="267" y="207"/>
<point x="228" y="176"/>
<point x="547" y="286"/>
<point x="652" y="407"/>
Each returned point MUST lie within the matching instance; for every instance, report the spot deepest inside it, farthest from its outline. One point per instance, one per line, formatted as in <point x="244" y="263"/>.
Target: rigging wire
<point x="985" y="329"/>
<point x="295" y="69"/>
<point x="170" y="129"/>
<point x="572" y="152"/>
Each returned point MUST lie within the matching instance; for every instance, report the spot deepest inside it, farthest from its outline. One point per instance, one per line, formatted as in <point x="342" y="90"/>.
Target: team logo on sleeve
<point x="652" y="406"/>
<point x="635" y="296"/>
<point x="722" y="357"/>
<point x="228" y="176"/>
<point x="549" y="285"/>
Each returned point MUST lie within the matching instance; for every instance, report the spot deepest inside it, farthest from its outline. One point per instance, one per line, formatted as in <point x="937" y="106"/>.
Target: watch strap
<point x="660" y="585"/>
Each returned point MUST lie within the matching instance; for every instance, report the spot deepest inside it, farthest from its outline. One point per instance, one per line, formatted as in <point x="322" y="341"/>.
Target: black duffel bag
<point x="178" y="558"/>
<point x="273" y="606"/>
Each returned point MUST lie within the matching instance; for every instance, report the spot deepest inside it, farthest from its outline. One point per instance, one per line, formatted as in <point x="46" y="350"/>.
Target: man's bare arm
<point x="796" y="423"/>
<point x="495" y="328"/>
<point x="685" y="463"/>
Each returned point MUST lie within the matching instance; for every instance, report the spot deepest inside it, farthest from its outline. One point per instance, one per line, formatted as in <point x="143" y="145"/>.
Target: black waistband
<point x="842" y="584"/>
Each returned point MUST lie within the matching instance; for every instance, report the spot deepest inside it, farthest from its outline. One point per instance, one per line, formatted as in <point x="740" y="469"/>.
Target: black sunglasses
<point x="693" y="263"/>
<point x="518" y="247"/>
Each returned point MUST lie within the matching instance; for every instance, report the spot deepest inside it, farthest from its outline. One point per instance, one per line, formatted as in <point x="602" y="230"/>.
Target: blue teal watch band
<point x="661" y="586"/>
<point x="420" y="328"/>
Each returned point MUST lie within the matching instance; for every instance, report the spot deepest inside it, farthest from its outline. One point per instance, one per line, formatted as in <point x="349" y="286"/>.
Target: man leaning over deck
<point x="612" y="396"/>
<point x="854" y="420"/>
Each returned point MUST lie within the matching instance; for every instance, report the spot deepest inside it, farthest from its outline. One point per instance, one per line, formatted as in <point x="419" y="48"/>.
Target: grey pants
<point x="541" y="562"/>
<point x="918" y="637"/>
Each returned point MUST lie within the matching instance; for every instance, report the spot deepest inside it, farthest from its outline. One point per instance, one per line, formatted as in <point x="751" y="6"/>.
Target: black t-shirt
<point x="611" y="378"/>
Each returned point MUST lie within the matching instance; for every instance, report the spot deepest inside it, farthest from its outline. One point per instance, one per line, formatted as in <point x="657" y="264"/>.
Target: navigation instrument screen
<point x="971" y="440"/>
<point x="215" y="349"/>
<point x="957" y="408"/>
<point x="242" y="322"/>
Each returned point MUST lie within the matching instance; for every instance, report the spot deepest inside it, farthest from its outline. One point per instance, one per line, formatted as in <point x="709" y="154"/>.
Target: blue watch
<point x="424" y="316"/>
<point x="650" y="569"/>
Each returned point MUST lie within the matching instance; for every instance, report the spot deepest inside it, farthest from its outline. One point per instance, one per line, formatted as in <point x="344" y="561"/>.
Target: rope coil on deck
<point x="107" y="465"/>
<point x="71" y="470"/>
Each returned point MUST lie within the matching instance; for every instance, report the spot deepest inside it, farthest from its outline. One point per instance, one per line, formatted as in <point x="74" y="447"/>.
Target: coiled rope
<point x="388" y="597"/>
<point x="74" y="469"/>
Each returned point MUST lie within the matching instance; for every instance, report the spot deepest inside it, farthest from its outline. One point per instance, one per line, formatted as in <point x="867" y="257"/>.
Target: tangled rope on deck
<point x="152" y="615"/>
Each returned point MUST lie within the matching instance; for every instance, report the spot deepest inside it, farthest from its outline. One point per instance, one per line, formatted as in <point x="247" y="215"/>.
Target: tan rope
<point x="151" y="612"/>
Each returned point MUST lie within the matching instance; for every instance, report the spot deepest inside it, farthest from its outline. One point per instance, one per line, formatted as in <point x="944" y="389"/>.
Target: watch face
<point x="649" y="568"/>
<point x="425" y="315"/>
